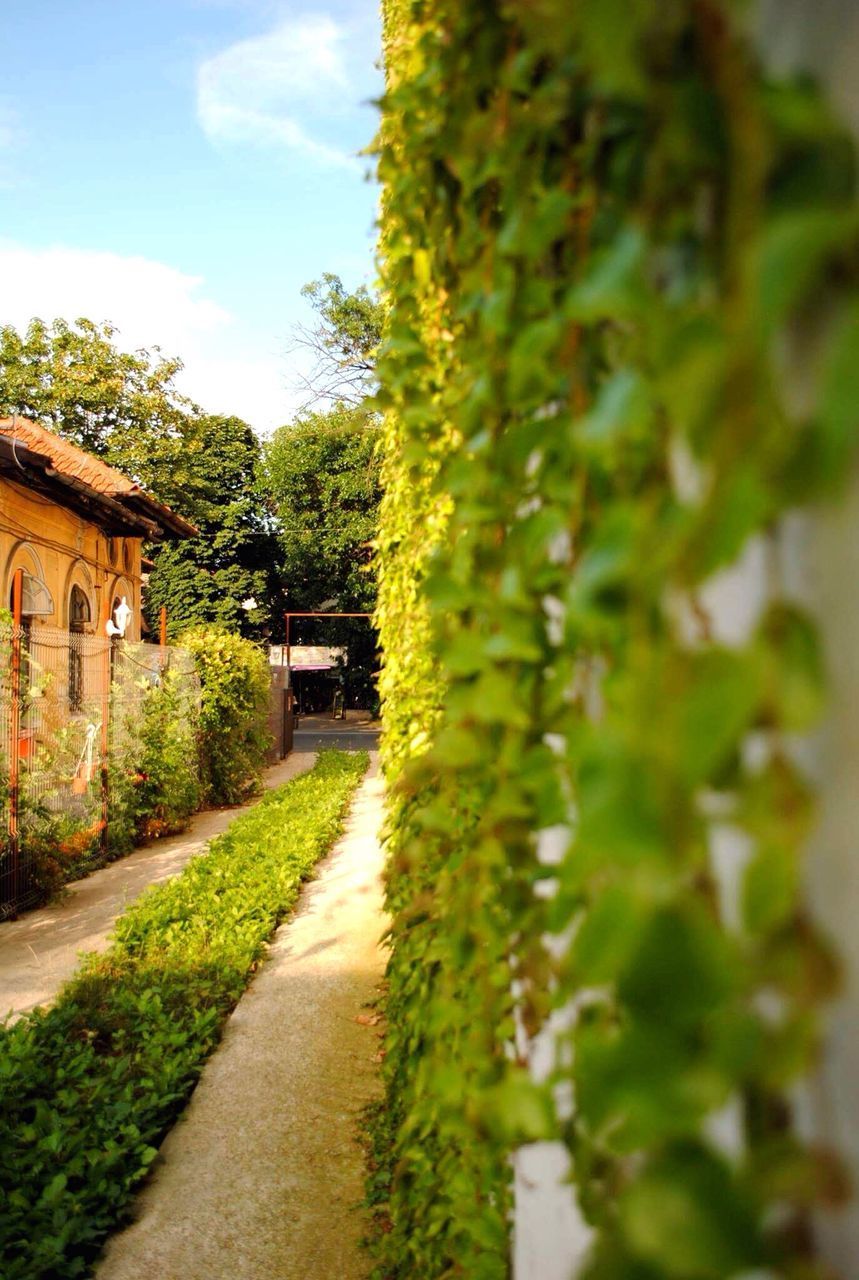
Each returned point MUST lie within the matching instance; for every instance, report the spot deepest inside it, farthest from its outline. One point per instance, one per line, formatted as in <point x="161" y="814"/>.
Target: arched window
<point x="36" y="600"/>
<point x="80" y="617"/>
<point x="80" y="613"/>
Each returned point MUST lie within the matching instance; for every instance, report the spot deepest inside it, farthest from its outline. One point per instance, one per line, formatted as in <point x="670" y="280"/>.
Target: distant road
<point x="355" y="733"/>
<point x="343" y="740"/>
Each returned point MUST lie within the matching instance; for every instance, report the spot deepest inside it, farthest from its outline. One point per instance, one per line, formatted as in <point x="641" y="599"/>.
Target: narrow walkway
<point x="260" y="1179"/>
<point x="39" y="952"/>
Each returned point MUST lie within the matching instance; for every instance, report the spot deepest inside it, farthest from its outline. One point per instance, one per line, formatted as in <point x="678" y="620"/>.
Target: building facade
<point x="76" y="527"/>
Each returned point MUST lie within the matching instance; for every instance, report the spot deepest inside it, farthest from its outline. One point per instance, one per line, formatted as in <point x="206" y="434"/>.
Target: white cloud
<point x="291" y="88"/>
<point x="151" y="303"/>
<point x="242" y="381"/>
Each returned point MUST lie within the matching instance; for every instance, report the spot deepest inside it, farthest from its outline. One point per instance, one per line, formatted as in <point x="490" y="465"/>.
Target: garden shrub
<point x="153" y="774"/>
<point x="177" y="739"/>
<point x="53" y="839"/>
<point x="89" y="1087"/>
<point x="608" y="238"/>
<point x="234" y="737"/>
<point x="165" y="768"/>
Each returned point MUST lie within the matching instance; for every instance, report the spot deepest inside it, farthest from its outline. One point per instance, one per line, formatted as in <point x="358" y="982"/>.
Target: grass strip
<point x="89" y="1087"/>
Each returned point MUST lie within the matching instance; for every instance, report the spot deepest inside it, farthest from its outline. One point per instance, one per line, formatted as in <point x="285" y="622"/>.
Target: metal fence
<point x="70" y="711"/>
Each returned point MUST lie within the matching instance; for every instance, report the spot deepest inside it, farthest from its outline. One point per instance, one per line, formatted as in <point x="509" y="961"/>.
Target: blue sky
<point x="181" y="168"/>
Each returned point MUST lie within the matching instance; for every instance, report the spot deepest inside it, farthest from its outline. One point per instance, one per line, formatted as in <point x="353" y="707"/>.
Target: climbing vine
<point x="620" y="258"/>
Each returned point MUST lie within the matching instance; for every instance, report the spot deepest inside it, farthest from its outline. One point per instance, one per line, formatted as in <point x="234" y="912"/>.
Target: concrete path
<point x="260" y="1179"/>
<point x="39" y="952"/>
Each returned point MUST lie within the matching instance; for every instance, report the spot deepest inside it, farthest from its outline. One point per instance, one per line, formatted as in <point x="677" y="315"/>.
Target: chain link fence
<point x="71" y="720"/>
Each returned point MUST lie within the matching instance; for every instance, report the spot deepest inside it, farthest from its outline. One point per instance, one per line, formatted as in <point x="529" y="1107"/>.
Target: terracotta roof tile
<point x="76" y="465"/>
<point x="68" y="458"/>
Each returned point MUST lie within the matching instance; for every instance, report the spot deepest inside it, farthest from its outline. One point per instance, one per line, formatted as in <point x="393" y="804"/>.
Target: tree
<point x="125" y="408"/>
<point x="75" y="380"/>
<point x="236" y="555"/>
<point x="343" y="343"/>
<point x="322" y="474"/>
<point x="122" y="406"/>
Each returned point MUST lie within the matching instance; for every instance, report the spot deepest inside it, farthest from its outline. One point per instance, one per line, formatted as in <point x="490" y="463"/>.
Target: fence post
<point x="14" y="734"/>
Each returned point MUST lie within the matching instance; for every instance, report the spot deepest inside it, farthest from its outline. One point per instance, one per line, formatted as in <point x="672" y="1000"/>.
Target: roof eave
<point x="31" y="470"/>
<point x="170" y="524"/>
<point x="123" y="509"/>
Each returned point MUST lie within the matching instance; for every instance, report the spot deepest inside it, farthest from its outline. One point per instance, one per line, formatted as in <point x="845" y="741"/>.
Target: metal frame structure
<point x="314" y="613"/>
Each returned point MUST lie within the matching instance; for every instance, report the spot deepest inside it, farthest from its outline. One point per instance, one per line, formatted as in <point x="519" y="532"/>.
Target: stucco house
<point x="76" y="527"/>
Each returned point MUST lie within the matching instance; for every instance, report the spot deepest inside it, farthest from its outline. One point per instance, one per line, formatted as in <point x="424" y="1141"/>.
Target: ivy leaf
<point x="610" y="34"/>
<point x="720" y="702"/>
<point x="465" y="653"/>
<point x="839" y="402"/>
<point x="691" y="355"/>
<point x="794" y="667"/>
<point x="612" y="285"/>
<point x="528" y="369"/>
<point x="770" y="888"/>
<point x="606" y="563"/>
<point x="620" y="820"/>
<point x="793" y="251"/>
<point x="682" y="968"/>
<point x="733" y="513"/>
<point x="687" y="1216"/>
<point x="643" y="1084"/>
<point x="518" y="1110"/>
<point x="55" y="1188"/>
<point x="608" y="935"/>
<point x="622" y="409"/>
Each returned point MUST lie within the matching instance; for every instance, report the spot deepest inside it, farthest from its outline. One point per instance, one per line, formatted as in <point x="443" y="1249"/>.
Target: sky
<point x="181" y="168"/>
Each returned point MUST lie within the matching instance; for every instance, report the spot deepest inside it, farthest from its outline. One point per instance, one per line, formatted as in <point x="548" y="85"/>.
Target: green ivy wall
<point x="621" y="263"/>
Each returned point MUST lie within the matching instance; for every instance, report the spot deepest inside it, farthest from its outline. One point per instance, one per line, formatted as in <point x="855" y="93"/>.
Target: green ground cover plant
<point x="620" y="258"/>
<point x="89" y="1087"/>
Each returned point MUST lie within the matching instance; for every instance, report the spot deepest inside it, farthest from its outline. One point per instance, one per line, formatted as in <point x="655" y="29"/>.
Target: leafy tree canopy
<point x="125" y="408"/>
<point x="236" y="555"/>
<point x="75" y="380"/>
<point x="322" y="474"/>
<point x="343" y="343"/>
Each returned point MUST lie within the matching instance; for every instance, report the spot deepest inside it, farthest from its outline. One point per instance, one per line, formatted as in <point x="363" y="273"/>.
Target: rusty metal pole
<point x="105" y="725"/>
<point x="312" y="613"/>
<point x="15" y="733"/>
<point x="288" y="654"/>
<point x="162" y="638"/>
